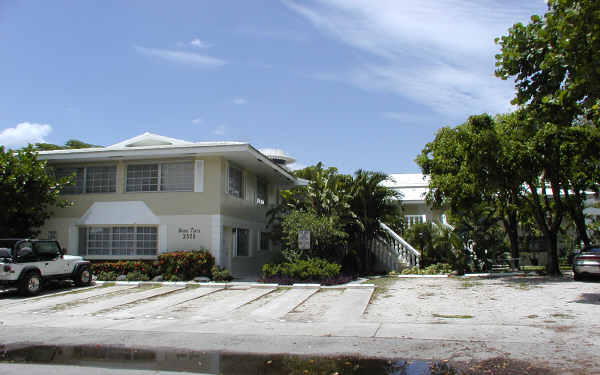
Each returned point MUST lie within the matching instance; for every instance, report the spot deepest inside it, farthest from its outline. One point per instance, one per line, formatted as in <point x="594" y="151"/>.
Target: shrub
<point x="148" y="268"/>
<point x="186" y="264"/>
<point x="220" y="274"/>
<point x="310" y="270"/>
<point x="174" y="266"/>
<point x="137" y="276"/>
<point x="106" y="276"/>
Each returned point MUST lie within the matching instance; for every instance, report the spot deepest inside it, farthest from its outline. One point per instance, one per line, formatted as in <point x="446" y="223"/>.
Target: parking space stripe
<point x="119" y="300"/>
<point x="60" y="299"/>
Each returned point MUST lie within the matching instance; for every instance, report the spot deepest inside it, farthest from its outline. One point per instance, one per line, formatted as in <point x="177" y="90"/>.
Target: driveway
<point x="545" y="321"/>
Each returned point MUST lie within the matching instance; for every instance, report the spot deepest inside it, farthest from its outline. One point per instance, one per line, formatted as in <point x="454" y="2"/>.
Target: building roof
<point x="412" y="186"/>
<point x="154" y="146"/>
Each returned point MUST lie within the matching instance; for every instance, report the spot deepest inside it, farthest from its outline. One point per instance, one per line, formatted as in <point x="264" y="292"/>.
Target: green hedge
<point x="173" y="266"/>
<point x="313" y="269"/>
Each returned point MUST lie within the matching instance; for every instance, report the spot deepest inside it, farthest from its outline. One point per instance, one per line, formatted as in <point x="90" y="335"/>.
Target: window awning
<point x="119" y="213"/>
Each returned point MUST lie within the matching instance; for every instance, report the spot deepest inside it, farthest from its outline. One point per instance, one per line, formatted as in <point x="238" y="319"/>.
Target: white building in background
<point x="414" y="187"/>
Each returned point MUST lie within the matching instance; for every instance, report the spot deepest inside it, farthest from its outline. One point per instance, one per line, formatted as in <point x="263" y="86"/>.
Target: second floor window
<point x="100" y="179"/>
<point x="235" y="185"/>
<point x="261" y="192"/>
<point x="160" y="177"/>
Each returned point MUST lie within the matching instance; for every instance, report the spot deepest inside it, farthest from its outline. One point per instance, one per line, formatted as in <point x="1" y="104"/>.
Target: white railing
<point x="394" y="253"/>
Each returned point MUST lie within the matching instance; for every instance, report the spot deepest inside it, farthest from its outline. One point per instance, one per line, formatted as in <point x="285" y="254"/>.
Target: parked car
<point x="586" y="262"/>
<point x="28" y="263"/>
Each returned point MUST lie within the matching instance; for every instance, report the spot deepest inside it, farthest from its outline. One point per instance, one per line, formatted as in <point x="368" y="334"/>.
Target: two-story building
<point x="152" y="194"/>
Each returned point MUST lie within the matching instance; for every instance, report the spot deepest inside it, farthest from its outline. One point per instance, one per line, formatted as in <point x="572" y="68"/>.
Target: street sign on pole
<point x="304" y="239"/>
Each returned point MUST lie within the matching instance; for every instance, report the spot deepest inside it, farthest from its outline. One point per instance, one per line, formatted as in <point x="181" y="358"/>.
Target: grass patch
<point x="470" y="284"/>
<point x="382" y="286"/>
<point x="522" y="286"/>
<point x="562" y="316"/>
<point x="446" y="316"/>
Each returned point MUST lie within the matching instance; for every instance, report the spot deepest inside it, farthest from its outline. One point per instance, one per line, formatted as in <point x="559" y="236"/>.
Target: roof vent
<point x="278" y="156"/>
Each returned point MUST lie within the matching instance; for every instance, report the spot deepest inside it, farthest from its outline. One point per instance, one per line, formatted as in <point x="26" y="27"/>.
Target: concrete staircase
<point x="393" y="253"/>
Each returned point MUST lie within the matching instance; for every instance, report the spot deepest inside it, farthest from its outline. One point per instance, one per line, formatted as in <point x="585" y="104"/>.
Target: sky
<point x="356" y="84"/>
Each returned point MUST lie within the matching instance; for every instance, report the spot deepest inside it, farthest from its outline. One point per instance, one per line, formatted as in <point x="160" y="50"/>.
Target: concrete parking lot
<point x="553" y="322"/>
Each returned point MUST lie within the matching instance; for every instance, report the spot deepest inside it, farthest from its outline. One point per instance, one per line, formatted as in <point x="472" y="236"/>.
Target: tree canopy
<point x="70" y="144"/>
<point x="27" y="193"/>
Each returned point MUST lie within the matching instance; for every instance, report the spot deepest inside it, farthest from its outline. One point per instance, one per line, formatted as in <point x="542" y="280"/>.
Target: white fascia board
<point x="149" y="152"/>
<point x="263" y="158"/>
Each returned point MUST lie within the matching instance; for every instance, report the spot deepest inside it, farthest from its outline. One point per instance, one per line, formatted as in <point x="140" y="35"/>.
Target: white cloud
<point x="199" y="43"/>
<point x="24" y="133"/>
<point x="197" y="120"/>
<point x="439" y="53"/>
<point x="239" y="101"/>
<point x="189" y="58"/>
<point x="219" y="130"/>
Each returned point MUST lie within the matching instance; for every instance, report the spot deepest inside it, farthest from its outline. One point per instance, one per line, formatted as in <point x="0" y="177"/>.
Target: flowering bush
<point x="148" y="268"/>
<point x="177" y="265"/>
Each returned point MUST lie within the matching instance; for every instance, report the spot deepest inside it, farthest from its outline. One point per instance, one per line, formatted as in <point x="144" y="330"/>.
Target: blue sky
<point x="352" y="83"/>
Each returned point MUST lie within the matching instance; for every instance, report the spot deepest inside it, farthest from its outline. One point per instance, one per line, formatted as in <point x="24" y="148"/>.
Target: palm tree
<point x="372" y="204"/>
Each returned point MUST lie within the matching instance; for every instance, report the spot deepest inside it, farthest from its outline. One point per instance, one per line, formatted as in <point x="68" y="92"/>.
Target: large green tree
<point x="27" y="193"/>
<point x="554" y="58"/>
<point x="554" y="62"/>
<point x="470" y="175"/>
<point x="70" y="144"/>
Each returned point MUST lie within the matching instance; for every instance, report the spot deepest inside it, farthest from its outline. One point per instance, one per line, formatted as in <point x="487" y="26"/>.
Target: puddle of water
<point x="215" y="362"/>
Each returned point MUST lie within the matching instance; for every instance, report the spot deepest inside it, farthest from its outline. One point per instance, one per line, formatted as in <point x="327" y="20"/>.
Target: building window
<point x="235" y="185"/>
<point x="261" y="192"/>
<point x="101" y="179"/>
<point x="415" y="219"/>
<point x="241" y="242"/>
<point x="142" y="177"/>
<point x="118" y="241"/>
<point x="160" y="177"/>
<point x="177" y="177"/>
<point x="76" y="186"/>
<point x="264" y="241"/>
<point x="51" y="234"/>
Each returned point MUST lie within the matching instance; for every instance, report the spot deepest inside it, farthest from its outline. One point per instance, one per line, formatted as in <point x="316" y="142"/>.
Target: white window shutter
<point x="199" y="176"/>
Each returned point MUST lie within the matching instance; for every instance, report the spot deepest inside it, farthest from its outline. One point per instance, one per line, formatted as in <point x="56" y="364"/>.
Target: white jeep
<point x="27" y="264"/>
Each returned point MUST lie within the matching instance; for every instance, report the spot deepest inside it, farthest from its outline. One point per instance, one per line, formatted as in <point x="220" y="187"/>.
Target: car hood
<point x="72" y="257"/>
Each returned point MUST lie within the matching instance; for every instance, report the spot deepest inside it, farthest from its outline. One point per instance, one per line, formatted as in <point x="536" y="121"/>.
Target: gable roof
<point x="149" y="139"/>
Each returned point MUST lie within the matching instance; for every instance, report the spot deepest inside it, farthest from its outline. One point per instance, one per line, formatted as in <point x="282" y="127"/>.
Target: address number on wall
<point x="188" y="233"/>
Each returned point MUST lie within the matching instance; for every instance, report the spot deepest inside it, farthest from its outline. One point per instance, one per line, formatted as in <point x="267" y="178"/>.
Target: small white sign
<point x="304" y="239"/>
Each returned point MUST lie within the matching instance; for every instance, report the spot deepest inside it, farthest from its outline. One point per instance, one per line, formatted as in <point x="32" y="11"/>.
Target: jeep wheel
<point x="30" y="284"/>
<point x="83" y="276"/>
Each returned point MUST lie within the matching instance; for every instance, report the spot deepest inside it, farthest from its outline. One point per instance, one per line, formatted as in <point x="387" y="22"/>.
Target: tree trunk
<point x="511" y="228"/>
<point x="575" y="208"/>
<point x="552" y="266"/>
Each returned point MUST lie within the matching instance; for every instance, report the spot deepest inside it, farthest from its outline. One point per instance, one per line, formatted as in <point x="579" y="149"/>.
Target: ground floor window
<point x="118" y="240"/>
<point x="241" y="242"/>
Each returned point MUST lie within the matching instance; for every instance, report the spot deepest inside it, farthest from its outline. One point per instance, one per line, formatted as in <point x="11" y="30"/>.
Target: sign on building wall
<point x="304" y="239"/>
<point x="188" y="233"/>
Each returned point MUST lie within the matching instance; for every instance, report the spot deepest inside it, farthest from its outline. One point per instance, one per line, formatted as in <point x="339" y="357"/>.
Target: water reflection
<point x="216" y="362"/>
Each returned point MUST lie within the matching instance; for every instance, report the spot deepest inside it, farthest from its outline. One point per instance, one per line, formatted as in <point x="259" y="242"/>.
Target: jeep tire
<point x="30" y="284"/>
<point x="83" y="276"/>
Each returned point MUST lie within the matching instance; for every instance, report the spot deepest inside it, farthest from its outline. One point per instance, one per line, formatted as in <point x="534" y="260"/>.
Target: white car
<point x="27" y="264"/>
